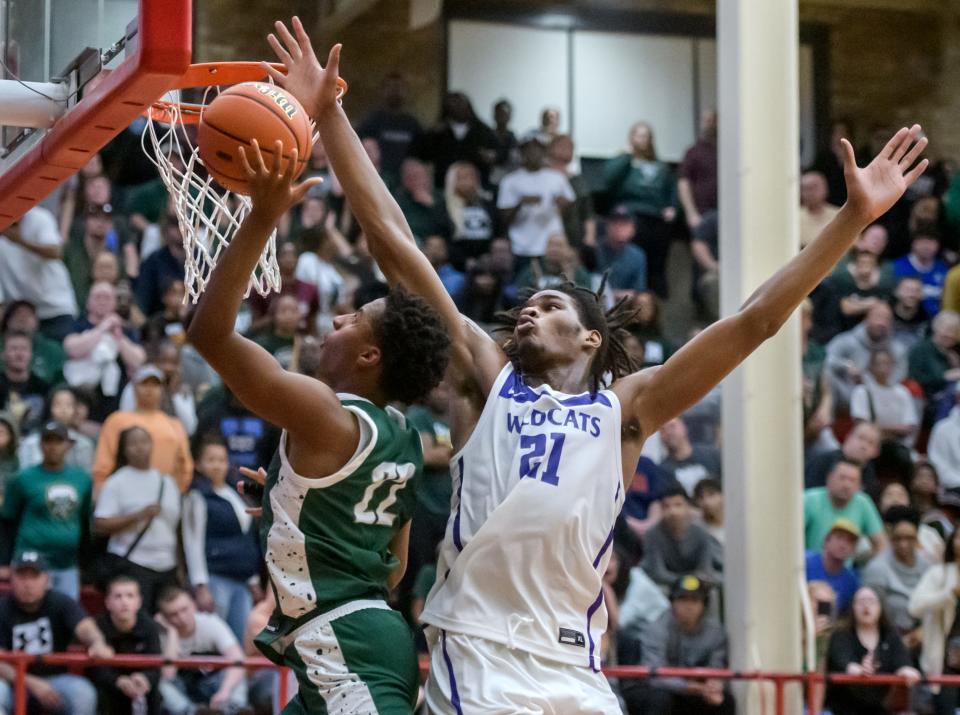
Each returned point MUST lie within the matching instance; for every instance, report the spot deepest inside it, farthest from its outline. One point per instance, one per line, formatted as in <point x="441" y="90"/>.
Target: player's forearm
<point x="220" y="302"/>
<point x="774" y="301"/>
<point x="384" y="225"/>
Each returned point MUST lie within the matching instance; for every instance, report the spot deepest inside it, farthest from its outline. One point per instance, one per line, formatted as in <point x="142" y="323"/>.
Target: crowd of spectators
<point x="119" y="447"/>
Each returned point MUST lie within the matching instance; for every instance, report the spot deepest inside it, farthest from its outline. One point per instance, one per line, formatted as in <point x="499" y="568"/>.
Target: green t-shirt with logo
<point x="53" y="510"/>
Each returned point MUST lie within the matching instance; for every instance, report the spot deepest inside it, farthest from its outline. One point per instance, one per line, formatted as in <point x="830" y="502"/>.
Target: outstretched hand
<point x="273" y="190"/>
<point x="315" y="87"/>
<point x="872" y="190"/>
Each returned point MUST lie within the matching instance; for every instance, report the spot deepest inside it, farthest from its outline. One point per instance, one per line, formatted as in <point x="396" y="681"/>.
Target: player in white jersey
<point x="544" y="453"/>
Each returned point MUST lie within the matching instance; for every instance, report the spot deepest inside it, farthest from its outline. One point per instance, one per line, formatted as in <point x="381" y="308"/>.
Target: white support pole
<point x="759" y="144"/>
<point x="32" y="104"/>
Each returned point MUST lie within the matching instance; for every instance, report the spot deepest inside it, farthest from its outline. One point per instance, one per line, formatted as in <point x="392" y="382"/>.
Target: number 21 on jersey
<point x="389" y="473"/>
<point x="535" y="456"/>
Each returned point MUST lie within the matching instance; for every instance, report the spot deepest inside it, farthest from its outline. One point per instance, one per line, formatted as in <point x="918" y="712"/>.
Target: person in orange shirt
<point x="171" y="446"/>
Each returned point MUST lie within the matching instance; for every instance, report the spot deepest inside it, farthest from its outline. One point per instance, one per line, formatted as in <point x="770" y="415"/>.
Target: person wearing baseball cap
<point x="171" y="446"/>
<point x="49" y="506"/>
<point x="617" y="253"/>
<point x="37" y="619"/>
<point x="696" y="640"/>
<point x="830" y="563"/>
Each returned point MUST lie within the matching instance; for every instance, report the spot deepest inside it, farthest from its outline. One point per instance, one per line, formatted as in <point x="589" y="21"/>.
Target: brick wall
<point x="886" y="66"/>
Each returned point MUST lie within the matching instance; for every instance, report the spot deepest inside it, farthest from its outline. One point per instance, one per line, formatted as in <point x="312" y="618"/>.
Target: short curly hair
<point x="415" y="347"/>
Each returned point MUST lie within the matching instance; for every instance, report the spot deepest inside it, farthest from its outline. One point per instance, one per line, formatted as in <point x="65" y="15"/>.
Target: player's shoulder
<point x="390" y="428"/>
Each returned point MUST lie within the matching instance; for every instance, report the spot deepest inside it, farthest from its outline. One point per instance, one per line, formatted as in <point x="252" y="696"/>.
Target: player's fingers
<point x="891" y="147"/>
<point x="912" y="135"/>
<point x="303" y="189"/>
<point x="279" y="50"/>
<point x="261" y="167"/>
<point x="291" y="168"/>
<point x="303" y="39"/>
<point x="849" y="158"/>
<point x="333" y="60"/>
<point x="276" y="171"/>
<point x="254" y="511"/>
<point x="244" y="162"/>
<point x="288" y="40"/>
<point x="916" y="172"/>
<point x="907" y="161"/>
<point x="273" y="73"/>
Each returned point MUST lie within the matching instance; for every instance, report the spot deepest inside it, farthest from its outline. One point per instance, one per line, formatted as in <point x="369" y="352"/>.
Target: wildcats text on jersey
<point x="558" y="417"/>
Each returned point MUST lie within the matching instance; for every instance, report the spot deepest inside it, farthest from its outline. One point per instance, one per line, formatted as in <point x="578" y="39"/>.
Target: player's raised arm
<point x="302" y="405"/>
<point x="476" y="356"/>
<point x="656" y="395"/>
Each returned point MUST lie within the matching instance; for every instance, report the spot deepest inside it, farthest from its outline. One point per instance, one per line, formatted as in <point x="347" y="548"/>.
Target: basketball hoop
<point x="208" y="214"/>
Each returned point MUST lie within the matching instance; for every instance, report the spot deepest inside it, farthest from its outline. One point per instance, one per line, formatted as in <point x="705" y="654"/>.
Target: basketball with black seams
<point x="253" y="110"/>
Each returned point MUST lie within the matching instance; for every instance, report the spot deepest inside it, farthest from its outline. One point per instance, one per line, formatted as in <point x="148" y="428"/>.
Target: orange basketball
<point x="253" y="110"/>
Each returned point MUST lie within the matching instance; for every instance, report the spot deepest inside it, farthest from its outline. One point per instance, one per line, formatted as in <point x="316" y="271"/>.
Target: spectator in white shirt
<point x="32" y="269"/>
<point x="187" y="633"/>
<point x="889" y="406"/>
<point x="532" y="201"/>
<point x="943" y="449"/>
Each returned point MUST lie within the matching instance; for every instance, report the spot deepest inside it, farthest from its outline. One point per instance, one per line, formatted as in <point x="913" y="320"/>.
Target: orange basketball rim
<point x="214" y="74"/>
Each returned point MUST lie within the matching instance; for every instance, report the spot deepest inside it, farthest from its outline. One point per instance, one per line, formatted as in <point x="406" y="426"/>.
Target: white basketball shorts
<point x="474" y="676"/>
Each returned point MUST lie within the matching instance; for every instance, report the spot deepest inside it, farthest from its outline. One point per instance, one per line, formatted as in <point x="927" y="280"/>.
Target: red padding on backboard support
<point x="162" y="55"/>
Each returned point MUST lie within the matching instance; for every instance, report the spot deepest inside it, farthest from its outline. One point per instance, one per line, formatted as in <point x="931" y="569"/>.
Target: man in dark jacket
<point x="127" y="629"/>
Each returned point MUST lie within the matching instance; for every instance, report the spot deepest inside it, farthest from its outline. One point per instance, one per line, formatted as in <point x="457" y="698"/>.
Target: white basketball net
<point x="208" y="214"/>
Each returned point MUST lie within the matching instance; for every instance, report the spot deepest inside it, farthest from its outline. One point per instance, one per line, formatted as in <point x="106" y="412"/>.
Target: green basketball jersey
<point x="326" y="539"/>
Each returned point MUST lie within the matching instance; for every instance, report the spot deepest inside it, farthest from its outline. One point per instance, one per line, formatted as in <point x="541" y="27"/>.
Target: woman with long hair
<point x="471" y="212"/>
<point x="935" y="601"/>
<point x="646" y="186"/>
<point x="867" y="645"/>
<point x="139" y="509"/>
<point x="647" y="327"/>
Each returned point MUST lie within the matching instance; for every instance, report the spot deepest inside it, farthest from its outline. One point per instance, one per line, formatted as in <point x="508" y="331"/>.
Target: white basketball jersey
<point x="537" y="489"/>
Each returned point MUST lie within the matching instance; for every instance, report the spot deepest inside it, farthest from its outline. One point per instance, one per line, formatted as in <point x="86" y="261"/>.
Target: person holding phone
<point x="830" y="563"/>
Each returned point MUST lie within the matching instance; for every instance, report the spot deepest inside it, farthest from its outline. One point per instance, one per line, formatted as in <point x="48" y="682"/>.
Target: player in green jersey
<point x="339" y="493"/>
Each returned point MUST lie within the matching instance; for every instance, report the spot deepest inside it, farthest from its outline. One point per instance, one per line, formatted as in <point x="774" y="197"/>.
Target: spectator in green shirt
<point x="423" y="206"/>
<point x="841" y="498"/>
<point x="48" y="355"/>
<point x="645" y="185"/>
<point x="51" y="505"/>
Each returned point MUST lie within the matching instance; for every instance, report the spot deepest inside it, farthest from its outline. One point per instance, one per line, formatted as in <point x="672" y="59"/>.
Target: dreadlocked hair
<point x="612" y="359"/>
<point x="415" y="347"/>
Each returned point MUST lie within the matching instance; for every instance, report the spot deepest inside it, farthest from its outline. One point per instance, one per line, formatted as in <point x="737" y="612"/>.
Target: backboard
<point x="101" y="64"/>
